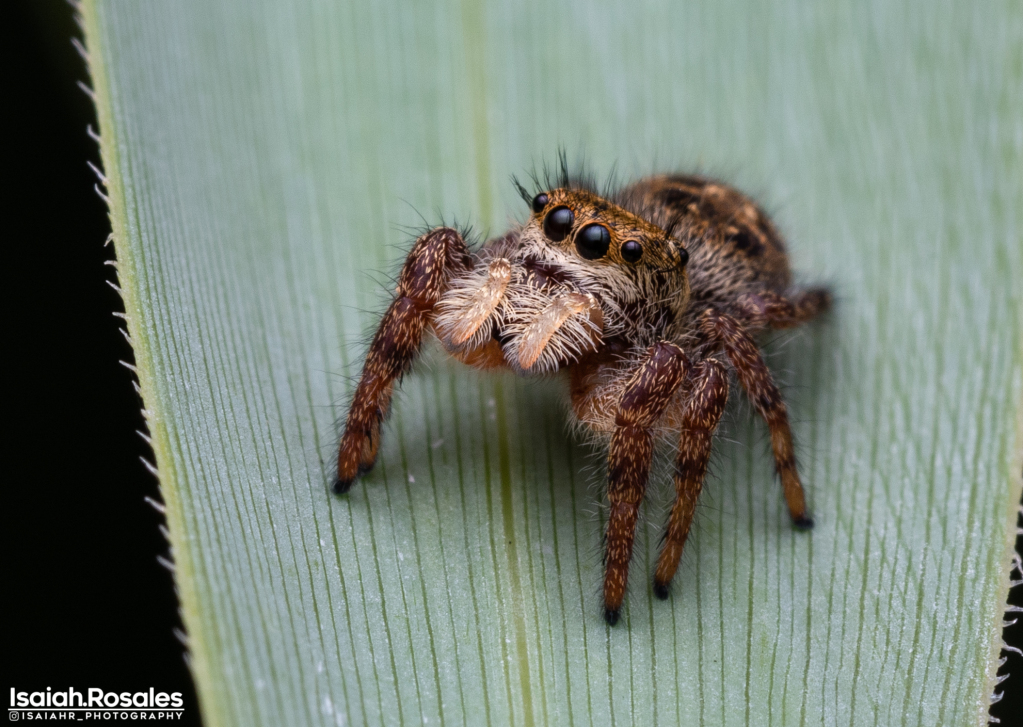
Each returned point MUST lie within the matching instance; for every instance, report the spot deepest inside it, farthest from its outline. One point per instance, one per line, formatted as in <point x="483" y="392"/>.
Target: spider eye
<point x="632" y="251"/>
<point x="540" y="201"/>
<point x="558" y="223"/>
<point x="593" y="241"/>
<point x="683" y="257"/>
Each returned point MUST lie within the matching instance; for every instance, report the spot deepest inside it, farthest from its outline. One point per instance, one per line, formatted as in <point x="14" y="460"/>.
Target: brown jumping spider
<point x="645" y="297"/>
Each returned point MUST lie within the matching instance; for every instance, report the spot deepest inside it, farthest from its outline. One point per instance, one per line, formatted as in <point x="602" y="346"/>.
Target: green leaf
<point x="265" y="162"/>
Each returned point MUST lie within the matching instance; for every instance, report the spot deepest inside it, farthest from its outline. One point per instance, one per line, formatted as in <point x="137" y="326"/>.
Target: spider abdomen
<point x="733" y="246"/>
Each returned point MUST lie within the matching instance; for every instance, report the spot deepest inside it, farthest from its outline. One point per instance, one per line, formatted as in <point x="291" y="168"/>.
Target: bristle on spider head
<point x="524" y="193"/>
<point x="559" y="176"/>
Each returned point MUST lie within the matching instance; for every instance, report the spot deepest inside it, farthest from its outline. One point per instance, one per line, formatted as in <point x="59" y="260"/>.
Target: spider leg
<point x="707" y="386"/>
<point x="769" y="309"/>
<point x="643" y="401"/>
<point x="756" y="379"/>
<point x="434" y="257"/>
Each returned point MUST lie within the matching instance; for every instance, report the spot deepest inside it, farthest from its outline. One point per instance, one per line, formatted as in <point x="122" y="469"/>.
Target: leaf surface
<point x="267" y="164"/>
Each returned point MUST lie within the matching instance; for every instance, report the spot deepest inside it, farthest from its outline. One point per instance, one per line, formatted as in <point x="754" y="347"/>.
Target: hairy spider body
<point x="645" y="297"/>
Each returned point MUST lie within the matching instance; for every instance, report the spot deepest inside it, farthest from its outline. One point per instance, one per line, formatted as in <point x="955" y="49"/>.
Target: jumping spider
<point x="645" y="297"/>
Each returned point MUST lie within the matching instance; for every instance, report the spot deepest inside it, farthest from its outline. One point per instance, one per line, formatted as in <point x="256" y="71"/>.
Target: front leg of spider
<point x="644" y="400"/>
<point x="756" y="379"/>
<point x="434" y="258"/>
<point x="707" y="392"/>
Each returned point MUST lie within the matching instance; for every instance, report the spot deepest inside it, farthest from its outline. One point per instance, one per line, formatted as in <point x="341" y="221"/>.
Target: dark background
<point x="88" y="604"/>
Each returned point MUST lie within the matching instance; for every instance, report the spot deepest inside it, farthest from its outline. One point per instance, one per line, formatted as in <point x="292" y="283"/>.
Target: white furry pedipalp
<point x="463" y="318"/>
<point x="567" y="327"/>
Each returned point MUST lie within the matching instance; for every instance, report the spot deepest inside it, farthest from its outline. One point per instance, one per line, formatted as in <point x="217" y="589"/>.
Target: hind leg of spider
<point x="756" y="379"/>
<point x="768" y="309"/>
<point x="642" y="403"/>
<point x="434" y="258"/>
<point x="707" y="394"/>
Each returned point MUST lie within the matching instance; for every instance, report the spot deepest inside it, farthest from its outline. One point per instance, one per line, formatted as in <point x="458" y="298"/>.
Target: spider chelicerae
<point x="644" y="298"/>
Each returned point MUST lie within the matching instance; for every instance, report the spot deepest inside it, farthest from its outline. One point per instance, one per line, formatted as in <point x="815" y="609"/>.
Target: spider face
<point x="579" y="242"/>
<point x="600" y="232"/>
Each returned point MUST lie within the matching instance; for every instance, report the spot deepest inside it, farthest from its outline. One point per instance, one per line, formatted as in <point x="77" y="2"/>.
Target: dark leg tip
<point x="661" y="591"/>
<point x="803" y="522"/>
<point x="611" y="616"/>
<point x="341" y="487"/>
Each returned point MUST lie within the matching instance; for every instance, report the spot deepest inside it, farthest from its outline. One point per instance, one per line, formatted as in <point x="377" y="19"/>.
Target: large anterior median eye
<point x="558" y="223"/>
<point x="593" y="241"/>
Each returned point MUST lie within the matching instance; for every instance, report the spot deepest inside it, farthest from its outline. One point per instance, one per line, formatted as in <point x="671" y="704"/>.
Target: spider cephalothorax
<point x="644" y="297"/>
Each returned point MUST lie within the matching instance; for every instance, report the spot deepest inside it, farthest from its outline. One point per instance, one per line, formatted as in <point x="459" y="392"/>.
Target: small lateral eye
<point x="540" y="201"/>
<point x="558" y="223"/>
<point x="683" y="257"/>
<point x="593" y="241"/>
<point x="632" y="251"/>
